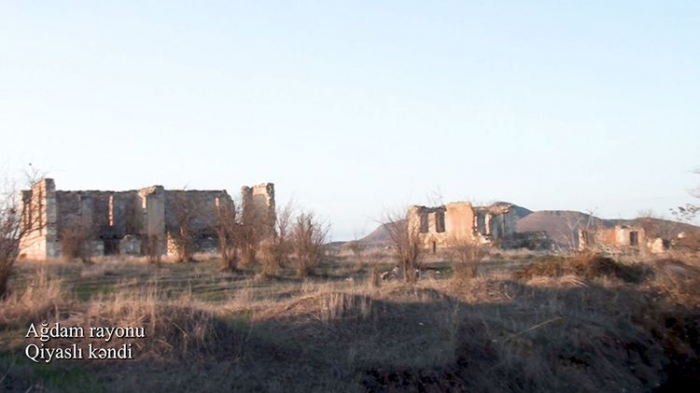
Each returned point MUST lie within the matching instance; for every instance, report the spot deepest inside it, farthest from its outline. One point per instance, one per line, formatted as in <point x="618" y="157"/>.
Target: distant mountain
<point x="658" y="227"/>
<point x="561" y="225"/>
<point x="378" y="237"/>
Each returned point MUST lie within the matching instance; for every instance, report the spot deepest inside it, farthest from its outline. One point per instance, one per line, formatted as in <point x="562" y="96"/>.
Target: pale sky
<point x="357" y="106"/>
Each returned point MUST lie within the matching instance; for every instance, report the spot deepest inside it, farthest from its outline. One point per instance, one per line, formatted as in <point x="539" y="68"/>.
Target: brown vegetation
<point x="183" y="237"/>
<point x="406" y="245"/>
<point x="227" y="233"/>
<point x="589" y="266"/>
<point x="75" y="241"/>
<point x="276" y="249"/>
<point x="308" y="237"/>
<point x="9" y="242"/>
<point x="574" y="328"/>
<point x="13" y="228"/>
<point x="465" y="255"/>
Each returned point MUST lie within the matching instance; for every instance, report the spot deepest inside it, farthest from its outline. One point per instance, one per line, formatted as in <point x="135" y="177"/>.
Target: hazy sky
<point x="352" y="107"/>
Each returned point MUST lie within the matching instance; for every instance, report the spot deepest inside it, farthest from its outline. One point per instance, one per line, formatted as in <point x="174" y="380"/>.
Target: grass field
<point x="523" y="324"/>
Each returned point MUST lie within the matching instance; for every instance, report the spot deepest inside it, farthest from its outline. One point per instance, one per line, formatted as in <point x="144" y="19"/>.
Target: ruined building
<point x="617" y="238"/>
<point x="120" y="222"/>
<point x="437" y="226"/>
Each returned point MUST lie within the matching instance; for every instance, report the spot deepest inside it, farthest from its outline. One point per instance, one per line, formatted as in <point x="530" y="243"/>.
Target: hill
<point x="561" y="225"/>
<point x="377" y="238"/>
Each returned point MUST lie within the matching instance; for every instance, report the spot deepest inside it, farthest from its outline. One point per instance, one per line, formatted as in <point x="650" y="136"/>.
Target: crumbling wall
<point x="459" y="221"/>
<point x="618" y="238"/>
<point x="658" y="245"/>
<point x="110" y="215"/>
<point x="153" y="211"/>
<point x="199" y="206"/>
<point x="125" y="213"/>
<point x="39" y="216"/>
<point x="259" y="206"/>
<point x="89" y="208"/>
<point x="121" y="222"/>
<point x="502" y="221"/>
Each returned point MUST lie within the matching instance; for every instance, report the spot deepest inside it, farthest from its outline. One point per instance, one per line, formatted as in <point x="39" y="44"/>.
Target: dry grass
<point x="568" y="324"/>
<point x="465" y="256"/>
<point x="40" y="298"/>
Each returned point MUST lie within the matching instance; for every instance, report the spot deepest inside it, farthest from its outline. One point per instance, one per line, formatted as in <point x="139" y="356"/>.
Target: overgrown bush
<point x="227" y="233"/>
<point x="76" y="241"/>
<point x="465" y="256"/>
<point x="584" y="265"/>
<point x="308" y="237"/>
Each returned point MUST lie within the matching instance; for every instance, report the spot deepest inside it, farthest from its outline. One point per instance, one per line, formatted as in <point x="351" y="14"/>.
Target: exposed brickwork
<point x="462" y="221"/>
<point x="119" y="221"/>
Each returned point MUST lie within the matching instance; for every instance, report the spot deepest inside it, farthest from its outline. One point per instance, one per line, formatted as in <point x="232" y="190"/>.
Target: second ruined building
<point x="461" y="221"/>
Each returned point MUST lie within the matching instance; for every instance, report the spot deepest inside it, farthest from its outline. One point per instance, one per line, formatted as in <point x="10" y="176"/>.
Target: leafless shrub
<point x="465" y="255"/>
<point x="405" y="244"/>
<point x="276" y="249"/>
<point x="308" y="237"/>
<point x="678" y="280"/>
<point x="10" y="235"/>
<point x="227" y="231"/>
<point x="183" y="235"/>
<point x="76" y="241"/>
<point x="575" y="225"/>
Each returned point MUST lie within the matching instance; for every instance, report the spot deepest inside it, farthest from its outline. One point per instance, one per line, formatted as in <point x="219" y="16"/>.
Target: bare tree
<point x="577" y="225"/>
<point x="11" y="232"/>
<point x="227" y="232"/>
<point x="308" y="237"/>
<point x="15" y="225"/>
<point x="687" y="214"/>
<point x="185" y="210"/>
<point x="405" y="244"/>
<point x="689" y="211"/>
